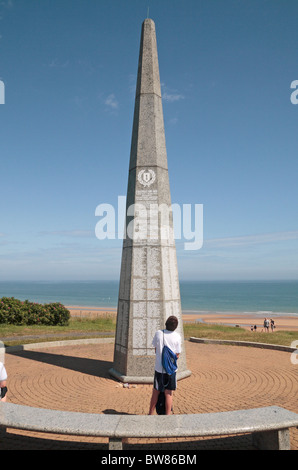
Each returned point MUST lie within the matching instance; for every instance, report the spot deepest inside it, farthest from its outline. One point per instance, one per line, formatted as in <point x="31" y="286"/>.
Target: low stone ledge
<point x="276" y="347"/>
<point x="53" y="344"/>
<point x="266" y="419"/>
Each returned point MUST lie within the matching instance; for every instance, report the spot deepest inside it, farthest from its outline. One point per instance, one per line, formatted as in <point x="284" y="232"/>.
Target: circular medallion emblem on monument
<point x="146" y="177"/>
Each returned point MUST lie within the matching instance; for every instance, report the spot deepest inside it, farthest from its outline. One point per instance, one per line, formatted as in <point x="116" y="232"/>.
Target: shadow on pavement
<point x="94" y="367"/>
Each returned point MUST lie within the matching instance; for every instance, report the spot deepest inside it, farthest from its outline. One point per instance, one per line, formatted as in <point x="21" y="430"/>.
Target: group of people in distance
<point x="266" y="325"/>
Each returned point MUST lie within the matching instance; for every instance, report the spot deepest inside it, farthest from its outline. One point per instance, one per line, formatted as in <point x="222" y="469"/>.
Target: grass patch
<point x="232" y="333"/>
<point x="105" y="323"/>
<point x="76" y="328"/>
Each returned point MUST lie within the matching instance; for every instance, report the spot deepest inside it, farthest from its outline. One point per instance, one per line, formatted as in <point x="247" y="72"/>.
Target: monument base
<point x="143" y="380"/>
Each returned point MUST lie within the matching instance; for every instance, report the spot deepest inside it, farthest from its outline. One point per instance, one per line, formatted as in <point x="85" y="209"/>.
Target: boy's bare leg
<point x="169" y="401"/>
<point x="153" y="401"/>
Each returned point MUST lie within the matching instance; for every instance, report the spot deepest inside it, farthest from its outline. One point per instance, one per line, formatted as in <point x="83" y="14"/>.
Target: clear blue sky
<point x="69" y="69"/>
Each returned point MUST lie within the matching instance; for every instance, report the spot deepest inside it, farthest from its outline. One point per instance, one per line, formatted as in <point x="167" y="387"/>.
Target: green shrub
<point x="17" y="312"/>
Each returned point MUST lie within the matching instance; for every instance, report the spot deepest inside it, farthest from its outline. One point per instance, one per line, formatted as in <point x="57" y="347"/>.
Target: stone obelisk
<point x="149" y="286"/>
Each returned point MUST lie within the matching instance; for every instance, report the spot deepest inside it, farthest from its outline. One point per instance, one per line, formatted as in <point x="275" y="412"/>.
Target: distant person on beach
<point x="266" y="324"/>
<point x="272" y="325"/>
<point x="3" y="378"/>
<point x="255" y="328"/>
<point x="163" y="381"/>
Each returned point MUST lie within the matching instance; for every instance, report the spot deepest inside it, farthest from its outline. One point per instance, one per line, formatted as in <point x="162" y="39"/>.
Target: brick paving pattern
<point x="76" y="378"/>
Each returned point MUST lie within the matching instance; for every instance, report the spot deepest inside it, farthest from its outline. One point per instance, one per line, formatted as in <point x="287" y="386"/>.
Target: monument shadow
<point x="94" y="367"/>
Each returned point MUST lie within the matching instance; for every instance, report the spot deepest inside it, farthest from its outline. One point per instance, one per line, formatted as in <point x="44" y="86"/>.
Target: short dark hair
<point x="172" y="323"/>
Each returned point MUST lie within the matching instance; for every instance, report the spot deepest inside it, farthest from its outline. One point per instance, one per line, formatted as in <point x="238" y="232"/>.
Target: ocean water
<point x="257" y="297"/>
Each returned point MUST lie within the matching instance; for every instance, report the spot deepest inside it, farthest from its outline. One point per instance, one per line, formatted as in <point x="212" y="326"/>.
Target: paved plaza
<point x="76" y="378"/>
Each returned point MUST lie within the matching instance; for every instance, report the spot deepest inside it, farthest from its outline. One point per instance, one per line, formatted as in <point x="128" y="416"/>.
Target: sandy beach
<point x="283" y="322"/>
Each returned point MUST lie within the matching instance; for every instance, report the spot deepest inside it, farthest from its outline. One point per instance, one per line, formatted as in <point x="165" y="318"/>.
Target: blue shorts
<point x="165" y="381"/>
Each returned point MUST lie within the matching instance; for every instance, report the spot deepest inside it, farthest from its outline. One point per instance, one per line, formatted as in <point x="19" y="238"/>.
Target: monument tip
<point x="148" y="20"/>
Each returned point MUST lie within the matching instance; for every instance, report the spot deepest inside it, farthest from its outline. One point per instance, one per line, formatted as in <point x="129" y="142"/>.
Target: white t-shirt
<point x="172" y="339"/>
<point x="3" y="374"/>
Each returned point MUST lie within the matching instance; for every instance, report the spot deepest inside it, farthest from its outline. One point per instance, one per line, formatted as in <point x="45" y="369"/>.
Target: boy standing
<point x="162" y="381"/>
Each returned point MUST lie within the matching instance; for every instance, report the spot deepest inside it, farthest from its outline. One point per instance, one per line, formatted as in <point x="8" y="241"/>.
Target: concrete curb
<point x="53" y="344"/>
<point x="276" y="347"/>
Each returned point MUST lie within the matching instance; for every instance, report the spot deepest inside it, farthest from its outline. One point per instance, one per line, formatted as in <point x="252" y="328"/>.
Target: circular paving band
<point x="76" y="378"/>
